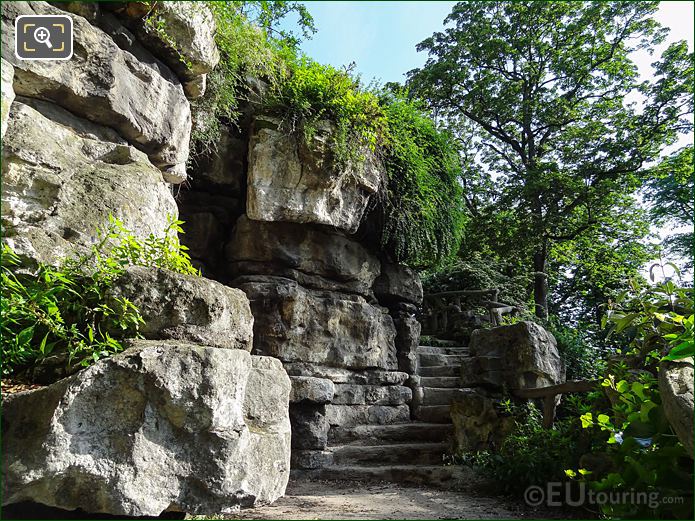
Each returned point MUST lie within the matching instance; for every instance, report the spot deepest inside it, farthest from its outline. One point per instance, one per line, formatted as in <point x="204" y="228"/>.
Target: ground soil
<point x="352" y="500"/>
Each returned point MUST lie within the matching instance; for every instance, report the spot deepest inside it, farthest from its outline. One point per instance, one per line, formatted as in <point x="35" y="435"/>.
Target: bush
<point x="63" y="312"/>
<point x="582" y="360"/>
<point x="532" y="455"/>
<point x="315" y="92"/>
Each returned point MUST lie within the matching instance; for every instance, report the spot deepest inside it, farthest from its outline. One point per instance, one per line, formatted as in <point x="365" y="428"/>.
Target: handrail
<point x="549" y="394"/>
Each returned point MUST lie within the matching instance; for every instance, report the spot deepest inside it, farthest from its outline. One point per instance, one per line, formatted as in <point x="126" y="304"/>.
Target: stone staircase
<point x="412" y="451"/>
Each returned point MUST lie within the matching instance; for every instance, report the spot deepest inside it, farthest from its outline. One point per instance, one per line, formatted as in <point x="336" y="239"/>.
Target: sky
<point x="380" y="37"/>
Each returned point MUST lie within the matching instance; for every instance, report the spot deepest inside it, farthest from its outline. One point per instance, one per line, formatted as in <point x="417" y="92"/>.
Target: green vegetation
<point x="423" y="210"/>
<point x="65" y="313"/>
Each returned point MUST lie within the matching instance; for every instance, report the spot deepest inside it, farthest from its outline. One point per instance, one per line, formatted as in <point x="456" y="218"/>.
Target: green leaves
<point x="64" y="310"/>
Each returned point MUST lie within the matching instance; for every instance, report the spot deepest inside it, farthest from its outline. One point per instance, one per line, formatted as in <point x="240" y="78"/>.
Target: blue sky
<point x="380" y="37"/>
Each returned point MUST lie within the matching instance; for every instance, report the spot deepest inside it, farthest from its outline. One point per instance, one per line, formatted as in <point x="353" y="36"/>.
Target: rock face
<point x="676" y="388"/>
<point x="288" y="181"/>
<point x="296" y="324"/>
<point x="520" y="356"/>
<point x="163" y="426"/>
<point x="138" y="96"/>
<point x="185" y="307"/>
<point x="478" y="424"/>
<point x="62" y="176"/>
<point x="319" y="258"/>
<point x="7" y="92"/>
<point x="398" y="284"/>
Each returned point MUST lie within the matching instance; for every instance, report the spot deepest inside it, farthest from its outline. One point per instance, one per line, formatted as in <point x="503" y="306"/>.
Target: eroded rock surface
<point x="315" y="257"/>
<point x="288" y="181"/>
<point x="62" y="176"/>
<point x="296" y="324"/>
<point x="138" y="96"/>
<point x="676" y="387"/>
<point x="163" y="426"/>
<point x="187" y="307"/>
<point x="398" y="283"/>
<point x="7" y="92"/>
<point x="520" y="356"/>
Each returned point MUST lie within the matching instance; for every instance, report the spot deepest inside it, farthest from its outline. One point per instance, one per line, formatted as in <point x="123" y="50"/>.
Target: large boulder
<point x="296" y="324"/>
<point x="478" y="423"/>
<point x="186" y="42"/>
<point x="676" y="388"/>
<point x="186" y="307"/>
<point x="320" y="258"/>
<point x="62" y="176"/>
<point x="398" y="283"/>
<point x="138" y="96"/>
<point x="289" y="180"/>
<point x="163" y="426"/>
<point x="520" y="356"/>
<point x="6" y="91"/>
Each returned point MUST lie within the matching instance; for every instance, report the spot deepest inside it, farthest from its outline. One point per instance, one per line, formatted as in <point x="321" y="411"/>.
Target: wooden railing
<point x="439" y="309"/>
<point x="549" y="395"/>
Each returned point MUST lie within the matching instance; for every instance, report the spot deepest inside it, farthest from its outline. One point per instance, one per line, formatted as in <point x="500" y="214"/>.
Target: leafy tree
<point x="670" y="192"/>
<point x="545" y="87"/>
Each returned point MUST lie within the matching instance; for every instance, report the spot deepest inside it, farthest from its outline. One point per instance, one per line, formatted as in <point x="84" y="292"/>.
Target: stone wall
<point x="276" y="217"/>
<point x="188" y="419"/>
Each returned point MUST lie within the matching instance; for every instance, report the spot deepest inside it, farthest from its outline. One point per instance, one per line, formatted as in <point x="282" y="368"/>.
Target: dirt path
<point x="351" y="500"/>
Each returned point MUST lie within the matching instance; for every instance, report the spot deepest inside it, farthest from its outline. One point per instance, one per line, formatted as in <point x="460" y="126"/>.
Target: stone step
<point x="443" y="350"/>
<point x="378" y="455"/>
<point x="393" y="433"/>
<point x="438" y="396"/>
<point x="442" y="476"/>
<point x="448" y="382"/>
<point x="430" y="359"/>
<point x="439" y="370"/>
<point x="432" y="413"/>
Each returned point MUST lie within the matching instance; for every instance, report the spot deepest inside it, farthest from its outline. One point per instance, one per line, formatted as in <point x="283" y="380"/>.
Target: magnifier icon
<point x="43" y="35"/>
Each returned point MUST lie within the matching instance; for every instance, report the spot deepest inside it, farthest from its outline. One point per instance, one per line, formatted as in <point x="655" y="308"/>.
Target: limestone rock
<point x="311" y="459"/>
<point x="340" y="375"/>
<point x="398" y="283"/>
<point x="290" y="181"/>
<point x="477" y="423"/>
<point x="63" y="176"/>
<point x="138" y="96"/>
<point x="224" y="168"/>
<point x="355" y="394"/>
<point x="163" y="426"/>
<point x="347" y="415"/>
<point x="676" y="388"/>
<point x="311" y="389"/>
<point x="7" y="92"/>
<point x="309" y="426"/>
<point x="520" y="356"/>
<point x="303" y="253"/>
<point x="407" y="340"/>
<point x="300" y="325"/>
<point x="188" y="43"/>
<point x="186" y="307"/>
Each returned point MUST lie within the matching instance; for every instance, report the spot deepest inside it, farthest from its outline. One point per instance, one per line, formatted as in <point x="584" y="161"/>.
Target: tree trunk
<point x="540" y="283"/>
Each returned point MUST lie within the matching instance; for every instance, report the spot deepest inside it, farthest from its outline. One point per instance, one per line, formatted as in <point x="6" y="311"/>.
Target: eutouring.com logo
<point x="567" y="494"/>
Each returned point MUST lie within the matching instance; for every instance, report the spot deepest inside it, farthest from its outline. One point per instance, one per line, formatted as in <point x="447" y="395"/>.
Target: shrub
<point x="63" y="312"/>
<point x="315" y="92"/>
<point x="582" y="360"/>
<point x="423" y="214"/>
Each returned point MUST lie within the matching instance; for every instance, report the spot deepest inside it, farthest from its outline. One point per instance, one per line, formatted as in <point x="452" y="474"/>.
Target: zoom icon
<point x="43" y="37"/>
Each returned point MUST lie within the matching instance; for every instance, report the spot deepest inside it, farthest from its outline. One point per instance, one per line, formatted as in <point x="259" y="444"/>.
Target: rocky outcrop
<point x="520" y="356"/>
<point x="186" y="307"/>
<point x="6" y="91"/>
<point x="296" y="324"/>
<point x="139" y="97"/>
<point x="320" y="258"/>
<point x="676" y="389"/>
<point x="398" y="283"/>
<point x="163" y="426"/>
<point x="186" y="42"/>
<point x="62" y="176"/>
<point x="478" y="422"/>
<point x="291" y="181"/>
